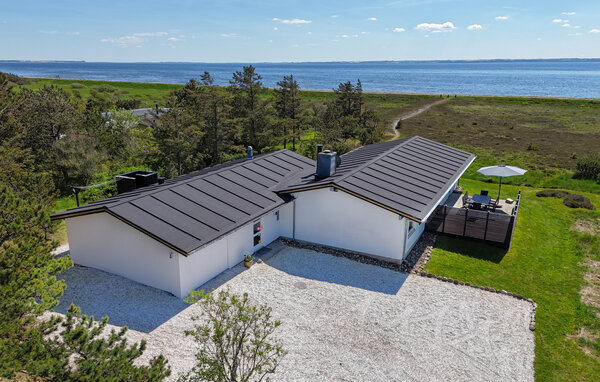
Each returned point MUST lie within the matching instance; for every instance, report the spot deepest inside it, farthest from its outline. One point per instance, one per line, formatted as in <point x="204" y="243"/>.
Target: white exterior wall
<point x="104" y="242"/>
<point x="207" y="262"/>
<point x="341" y="220"/>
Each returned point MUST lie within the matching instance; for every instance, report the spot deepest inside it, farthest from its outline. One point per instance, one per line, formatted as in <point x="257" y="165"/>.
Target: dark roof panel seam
<point x="268" y="169"/>
<point x="206" y="208"/>
<point x="253" y="180"/>
<point x="258" y="173"/>
<point x="425" y="169"/>
<point x="231" y="193"/>
<point x="389" y="190"/>
<point x="256" y="192"/>
<point x="381" y="196"/>
<point x="278" y="165"/>
<point x="217" y="199"/>
<point x="443" y="150"/>
<point x="408" y="168"/>
<point x="158" y="218"/>
<point x="184" y="213"/>
<point x="402" y="180"/>
<point x="450" y="165"/>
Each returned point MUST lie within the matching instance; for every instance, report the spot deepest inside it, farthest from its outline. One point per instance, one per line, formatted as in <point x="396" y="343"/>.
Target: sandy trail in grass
<point x="414" y="113"/>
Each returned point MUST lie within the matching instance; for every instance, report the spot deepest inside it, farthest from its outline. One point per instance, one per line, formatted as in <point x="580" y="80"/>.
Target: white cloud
<point x="560" y="21"/>
<point x="398" y="30"/>
<point x="173" y="39"/>
<point x="134" y="39"/>
<point x="501" y="17"/>
<point x="539" y="39"/>
<point x="372" y="19"/>
<point x="436" y="28"/>
<point x="576" y="34"/>
<point x="292" y="21"/>
<point x="594" y="30"/>
<point x="364" y="32"/>
<point x="568" y="13"/>
<point x="124" y="40"/>
<point x="228" y="35"/>
<point x="355" y="35"/>
<point x="151" y="34"/>
<point x="566" y="25"/>
<point x="577" y="27"/>
<point x="344" y="36"/>
<point x="335" y="16"/>
<point x="475" y="27"/>
<point x="275" y="28"/>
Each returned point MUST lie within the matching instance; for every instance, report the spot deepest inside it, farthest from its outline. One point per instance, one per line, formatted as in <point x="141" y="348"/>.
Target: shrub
<point x="77" y="85"/>
<point x="552" y="194"/>
<point x="578" y="201"/>
<point x="128" y="104"/>
<point x="589" y="167"/>
<point x="235" y="342"/>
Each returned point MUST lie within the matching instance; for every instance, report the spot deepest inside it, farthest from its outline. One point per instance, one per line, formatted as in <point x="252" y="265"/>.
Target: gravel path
<point x="414" y="113"/>
<point x="345" y="321"/>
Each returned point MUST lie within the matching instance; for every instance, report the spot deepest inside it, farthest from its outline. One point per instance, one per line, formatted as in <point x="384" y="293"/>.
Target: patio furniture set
<point x="481" y="201"/>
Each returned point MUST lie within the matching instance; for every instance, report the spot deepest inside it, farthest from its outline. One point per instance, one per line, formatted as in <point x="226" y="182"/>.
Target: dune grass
<point x="545" y="264"/>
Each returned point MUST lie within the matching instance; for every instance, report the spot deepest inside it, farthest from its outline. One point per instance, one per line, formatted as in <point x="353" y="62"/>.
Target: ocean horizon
<point x="573" y="78"/>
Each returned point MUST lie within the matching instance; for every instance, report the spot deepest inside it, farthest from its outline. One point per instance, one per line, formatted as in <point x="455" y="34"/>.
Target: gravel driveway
<point x="341" y="320"/>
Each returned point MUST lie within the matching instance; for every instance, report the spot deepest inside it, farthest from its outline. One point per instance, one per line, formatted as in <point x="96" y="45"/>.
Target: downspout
<point x="294" y="219"/>
<point x="405" y="238"/>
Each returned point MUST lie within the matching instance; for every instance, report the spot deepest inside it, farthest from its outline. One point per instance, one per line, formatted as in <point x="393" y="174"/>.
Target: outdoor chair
<point x="484" y="193"/>
<point x="477" y="206"/>
<point x="465" y="200"/>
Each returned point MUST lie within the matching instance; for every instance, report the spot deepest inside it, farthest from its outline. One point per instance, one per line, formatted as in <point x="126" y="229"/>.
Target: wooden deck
<point x="492" y="227"/>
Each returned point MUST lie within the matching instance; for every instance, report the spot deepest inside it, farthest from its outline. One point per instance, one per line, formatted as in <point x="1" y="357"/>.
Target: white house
<point x="178" y="235"/>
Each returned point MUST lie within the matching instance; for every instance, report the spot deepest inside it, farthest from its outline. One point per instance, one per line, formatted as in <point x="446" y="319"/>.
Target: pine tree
<point x="247" y="108"/>
<point x="287" y="104"/>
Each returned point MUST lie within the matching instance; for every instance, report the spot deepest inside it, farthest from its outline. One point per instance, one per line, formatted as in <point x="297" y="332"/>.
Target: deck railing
<point x="491" y="227"/>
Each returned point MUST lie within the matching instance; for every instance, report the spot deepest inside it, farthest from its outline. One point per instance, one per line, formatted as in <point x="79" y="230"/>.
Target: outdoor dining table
<point x="483" y="199"/>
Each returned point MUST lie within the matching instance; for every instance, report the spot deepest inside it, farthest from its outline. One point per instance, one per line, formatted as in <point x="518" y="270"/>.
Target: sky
<point x="293" y="31"/>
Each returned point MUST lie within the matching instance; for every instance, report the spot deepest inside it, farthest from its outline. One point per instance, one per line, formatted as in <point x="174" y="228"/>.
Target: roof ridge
<point x="366" y="164"/>
<point x="192" y="178"/>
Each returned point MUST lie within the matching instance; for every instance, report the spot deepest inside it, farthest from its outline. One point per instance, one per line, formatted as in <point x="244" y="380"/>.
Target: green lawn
<point x="544" y="263"/>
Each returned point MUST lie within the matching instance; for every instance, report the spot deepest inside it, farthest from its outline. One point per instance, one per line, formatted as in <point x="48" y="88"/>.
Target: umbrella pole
<point x="500" y="186"/>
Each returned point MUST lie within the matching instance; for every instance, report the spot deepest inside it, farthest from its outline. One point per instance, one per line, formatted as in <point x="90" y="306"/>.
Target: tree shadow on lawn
<point x="475" y="249"/>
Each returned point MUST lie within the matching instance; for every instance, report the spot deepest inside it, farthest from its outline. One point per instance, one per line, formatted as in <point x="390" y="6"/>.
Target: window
<point x="257" y="233"/>
<point x="412" y="227"/>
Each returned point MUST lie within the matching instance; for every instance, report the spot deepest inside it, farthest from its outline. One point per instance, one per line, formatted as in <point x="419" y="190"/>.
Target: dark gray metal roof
<point x="192" y="210"/>
<point x="407" y="176"/>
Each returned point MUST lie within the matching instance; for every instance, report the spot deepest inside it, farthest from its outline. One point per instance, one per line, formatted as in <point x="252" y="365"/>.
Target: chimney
<point x="319" y="148"/>
<point x="327" y="163"/>
<point x="250" y="153"/>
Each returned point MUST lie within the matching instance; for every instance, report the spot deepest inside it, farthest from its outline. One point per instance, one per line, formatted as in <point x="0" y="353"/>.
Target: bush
<point x="77" y="85"/>
<point x="128" y="104"/>
<point x="589" y="167"/>
<point x="578" y="201"/>
<point x="552" y="194"/>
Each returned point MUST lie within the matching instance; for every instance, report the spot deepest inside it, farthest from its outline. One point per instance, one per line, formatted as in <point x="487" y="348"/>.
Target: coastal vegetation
<point x="54" y="135"/>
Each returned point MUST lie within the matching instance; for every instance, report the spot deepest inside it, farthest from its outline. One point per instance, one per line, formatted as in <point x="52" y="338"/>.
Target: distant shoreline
<point x="477" y="60"/>
<point x="331" y="90"/>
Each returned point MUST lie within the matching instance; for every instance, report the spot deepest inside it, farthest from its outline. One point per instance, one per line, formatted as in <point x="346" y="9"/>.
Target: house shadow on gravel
<point x="338" y="270"/>
<point x="125" y="302"/>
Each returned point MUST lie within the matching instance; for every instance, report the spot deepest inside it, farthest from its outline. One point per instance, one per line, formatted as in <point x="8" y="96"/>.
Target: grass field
<point x="545" y="263"/>
<point x="543" y="135"/>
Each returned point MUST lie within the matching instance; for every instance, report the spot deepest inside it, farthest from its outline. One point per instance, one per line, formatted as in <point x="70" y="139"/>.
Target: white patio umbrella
<point x="503" y="171"/>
